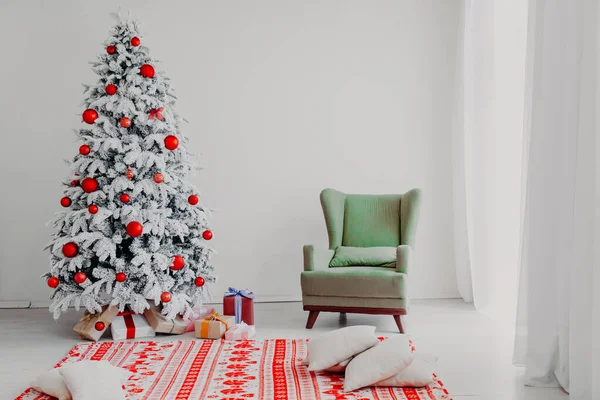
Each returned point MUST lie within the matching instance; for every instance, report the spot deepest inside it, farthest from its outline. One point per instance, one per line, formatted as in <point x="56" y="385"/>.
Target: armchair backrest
<point x="361" y="220"/>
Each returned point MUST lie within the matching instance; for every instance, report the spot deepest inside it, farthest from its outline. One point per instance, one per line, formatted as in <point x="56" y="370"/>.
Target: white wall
<point x="284" y="98"/>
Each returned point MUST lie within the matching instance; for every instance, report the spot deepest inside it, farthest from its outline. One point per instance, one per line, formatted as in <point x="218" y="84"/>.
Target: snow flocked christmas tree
<point x="132" y="232"/>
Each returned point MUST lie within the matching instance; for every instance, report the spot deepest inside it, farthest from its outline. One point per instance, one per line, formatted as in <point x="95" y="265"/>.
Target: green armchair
<point x="365" y="268"/>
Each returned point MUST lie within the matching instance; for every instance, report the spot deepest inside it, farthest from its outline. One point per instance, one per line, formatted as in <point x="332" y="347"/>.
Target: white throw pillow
<point x="339" y="367"/>
<point x="52" y="383"/>
<point x="378" y="363"/>
<point x="94" y="380"/>
<point x="418" y="374"/>
<point x="336" y="346"/>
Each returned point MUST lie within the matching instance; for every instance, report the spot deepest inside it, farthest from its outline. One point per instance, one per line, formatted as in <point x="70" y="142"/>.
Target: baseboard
<point x="15" y="304"/>
<point x="276" y="299"/>
<point x="40" y="304"/>
<point x="260" y="299"/>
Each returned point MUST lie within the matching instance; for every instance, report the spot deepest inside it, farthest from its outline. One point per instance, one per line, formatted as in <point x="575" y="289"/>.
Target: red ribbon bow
<point x="124" y="313"/>
<point x="156" y="112"/>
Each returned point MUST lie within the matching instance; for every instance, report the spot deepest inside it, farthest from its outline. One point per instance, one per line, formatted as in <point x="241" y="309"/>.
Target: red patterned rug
<point x="207" y="369"/>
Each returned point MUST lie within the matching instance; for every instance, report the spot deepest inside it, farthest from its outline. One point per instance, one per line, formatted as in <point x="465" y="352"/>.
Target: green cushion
<point x="375" y="282"/>
<point x="371" y="220"/>
<point x="367" y="256"/>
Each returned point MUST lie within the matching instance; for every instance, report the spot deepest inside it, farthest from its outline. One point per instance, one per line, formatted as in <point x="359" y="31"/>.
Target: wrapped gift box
<point x="129" y="326"/>
<point x="92" y="326"/>
<point x="239" y="303"/>
<point x="198" y="313"/>
<point x="213" y="326"/>
<point x="240" y="331"/>
<point x="161" y="324"/>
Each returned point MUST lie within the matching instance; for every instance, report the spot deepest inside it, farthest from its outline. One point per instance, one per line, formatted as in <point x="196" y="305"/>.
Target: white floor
<point x="474" y="356"/>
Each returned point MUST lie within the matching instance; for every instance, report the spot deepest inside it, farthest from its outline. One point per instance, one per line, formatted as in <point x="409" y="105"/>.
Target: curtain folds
<point x="487" y="151"/>
<point x="526" y="195"/>
<point x="557" y="335"/>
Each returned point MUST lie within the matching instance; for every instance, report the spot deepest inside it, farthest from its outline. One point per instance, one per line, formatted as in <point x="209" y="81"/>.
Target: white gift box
<point x="240" y="331"/>
<point x="198" y="313"/>
<point x="130" y="326"/>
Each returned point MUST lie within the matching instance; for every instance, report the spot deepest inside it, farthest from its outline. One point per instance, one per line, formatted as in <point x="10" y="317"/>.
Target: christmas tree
<point x="132" y="231"/>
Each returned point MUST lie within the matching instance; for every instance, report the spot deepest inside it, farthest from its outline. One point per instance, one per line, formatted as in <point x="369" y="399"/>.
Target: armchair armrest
<point x="404" y="256"/>
<point x="316" y="259"/>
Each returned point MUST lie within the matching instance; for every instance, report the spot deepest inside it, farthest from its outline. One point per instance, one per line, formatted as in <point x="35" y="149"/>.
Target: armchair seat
<point x="368" y="282"/>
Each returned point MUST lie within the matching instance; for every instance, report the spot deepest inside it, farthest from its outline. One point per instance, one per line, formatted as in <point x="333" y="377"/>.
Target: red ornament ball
<point x="110" y="89"/>
<point x="53" y="282"/>
<point x="111" y="49"/>
<point x="80" y="277"/>
<point x="178" y="263"/>
<point x="134" y="229"/>
<point x="93" y="209"/>
<point x="125" y="122"/>
<point x="147" y="71"/>
<point x="158" y="177"/>
<point x="120" y="277"/>
<point x="124" y="198"/>
<point x="89" y="116"/>
<point x="99" y="326"/>
<point x="84" y="149"/>
<point x="135" y="41"/>
<point x="171" y="142"/>
<point x="207" y="235"/>
<point x="165" y="297"/>
<point x="65" y="202"/>
<point x="193" y="199"/>
<point x="70" y="249"/>
<point x="89" y="185"/>
<point x="199" y="281"/>
<point x="74" y="182"/>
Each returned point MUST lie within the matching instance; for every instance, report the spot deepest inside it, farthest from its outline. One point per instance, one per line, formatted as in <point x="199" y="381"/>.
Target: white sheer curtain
<point x="487" y="153"/>
<point x="554" y="145"/>
<point x="558" y="325"/>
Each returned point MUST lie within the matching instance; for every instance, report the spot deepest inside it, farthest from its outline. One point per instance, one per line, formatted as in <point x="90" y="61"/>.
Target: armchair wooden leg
<point x="398" y="320"/>
<point x="312" y="317"/>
